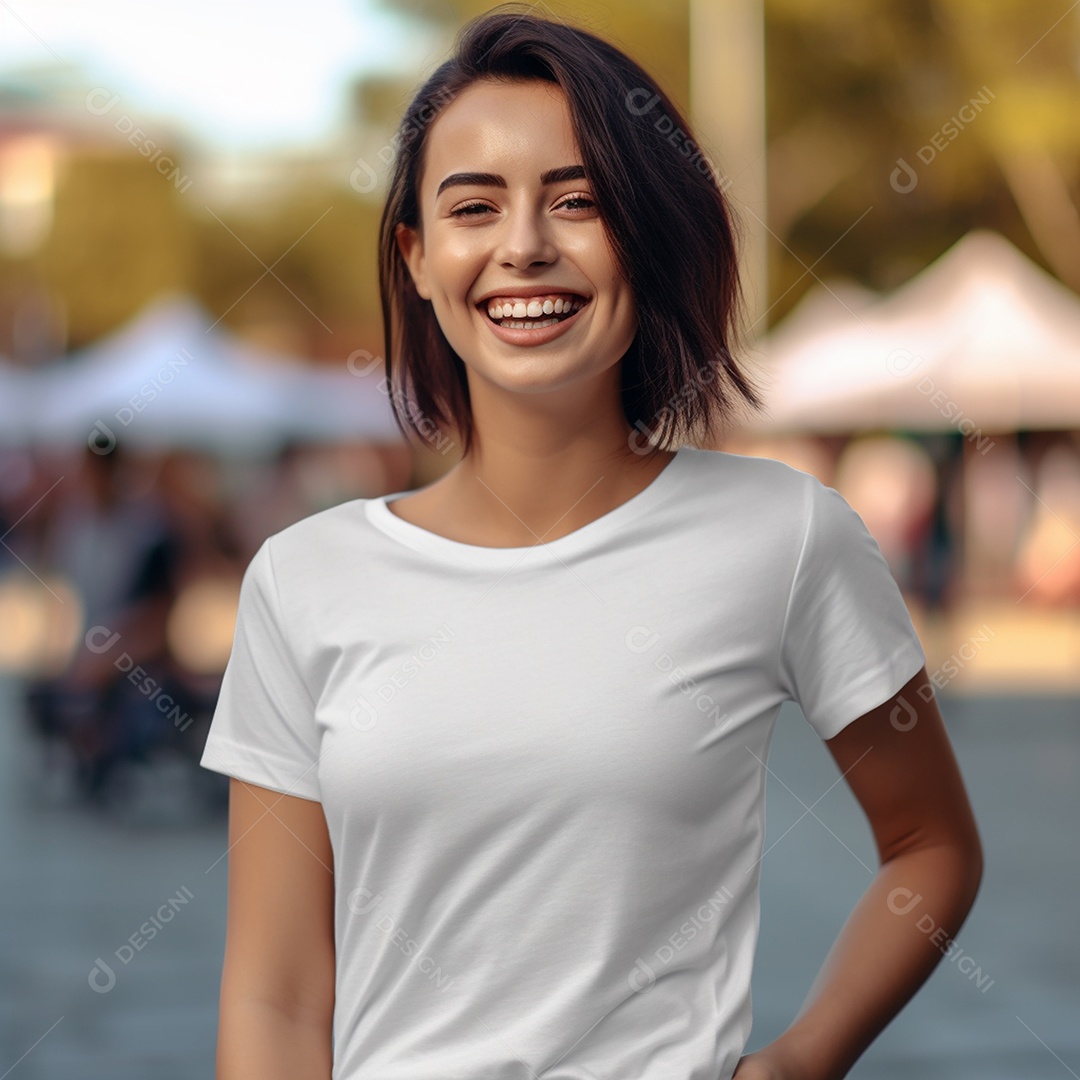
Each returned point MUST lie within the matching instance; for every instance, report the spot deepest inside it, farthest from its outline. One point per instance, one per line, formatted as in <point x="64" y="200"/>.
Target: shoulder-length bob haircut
<point x="670" y="227"/>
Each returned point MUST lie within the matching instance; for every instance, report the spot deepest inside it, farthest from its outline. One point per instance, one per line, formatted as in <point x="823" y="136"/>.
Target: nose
<point x="524" y="238"/>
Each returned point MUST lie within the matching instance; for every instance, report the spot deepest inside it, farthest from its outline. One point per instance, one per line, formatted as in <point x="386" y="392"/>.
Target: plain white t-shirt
<point x="543" y="768"/>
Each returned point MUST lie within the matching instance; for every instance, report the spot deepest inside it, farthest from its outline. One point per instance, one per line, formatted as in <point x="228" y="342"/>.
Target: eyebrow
<point x="481" y="179"/>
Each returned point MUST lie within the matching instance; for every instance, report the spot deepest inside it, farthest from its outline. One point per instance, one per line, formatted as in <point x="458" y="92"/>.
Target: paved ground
<point x="77" y="886"/>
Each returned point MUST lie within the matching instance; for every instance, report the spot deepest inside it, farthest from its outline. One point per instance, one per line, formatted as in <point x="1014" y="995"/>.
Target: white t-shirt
<point x="542" y="767"/>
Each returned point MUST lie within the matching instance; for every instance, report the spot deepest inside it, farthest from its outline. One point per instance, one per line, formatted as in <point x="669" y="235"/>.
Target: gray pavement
<point x="142" y="890"/>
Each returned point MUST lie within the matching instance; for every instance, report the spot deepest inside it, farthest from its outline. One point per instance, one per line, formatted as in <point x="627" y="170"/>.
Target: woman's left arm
<point x="899" y="763"/>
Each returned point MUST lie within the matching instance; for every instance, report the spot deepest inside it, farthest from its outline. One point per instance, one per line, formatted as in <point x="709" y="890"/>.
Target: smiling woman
<point x="540" y="176"/>
<point x="498" y="745"/>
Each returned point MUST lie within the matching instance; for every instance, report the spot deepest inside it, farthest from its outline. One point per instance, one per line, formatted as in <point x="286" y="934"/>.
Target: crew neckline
<point x="379" y="514"/>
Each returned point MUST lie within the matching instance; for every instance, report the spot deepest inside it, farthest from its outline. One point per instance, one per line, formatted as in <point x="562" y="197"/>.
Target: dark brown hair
<point x="671" y="230"/>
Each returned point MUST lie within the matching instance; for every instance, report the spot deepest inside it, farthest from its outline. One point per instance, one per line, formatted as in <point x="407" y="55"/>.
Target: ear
<point x="411" y="246"/>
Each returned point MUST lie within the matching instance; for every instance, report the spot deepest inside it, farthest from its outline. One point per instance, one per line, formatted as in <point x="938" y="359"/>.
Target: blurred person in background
<point x="93" y="537"/>
<point x="128" y="548"/>
<point x="891" y="484"/>
<point x="178" y="602"/>
<point x="1047" y="554"/>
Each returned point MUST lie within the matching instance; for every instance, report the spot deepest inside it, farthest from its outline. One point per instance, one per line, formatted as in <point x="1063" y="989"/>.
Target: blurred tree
<point x="654" y="34"/>
<point x="380" y="99"/>
<point x="119" y="237"/>
<point x="1029" y="54"/>
<point x="308" y="261"/>
<point x="979" y="98"/>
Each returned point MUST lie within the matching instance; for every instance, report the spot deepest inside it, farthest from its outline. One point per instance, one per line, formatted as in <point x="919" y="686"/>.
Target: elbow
<point x="953" y="857"/>
<point x="966" y="866"/>
<point x="974" y="863"/>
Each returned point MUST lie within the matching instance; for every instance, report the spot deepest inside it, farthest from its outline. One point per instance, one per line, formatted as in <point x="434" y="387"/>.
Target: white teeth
<point x="533" y="308"/>
<point x="528" y="324"/>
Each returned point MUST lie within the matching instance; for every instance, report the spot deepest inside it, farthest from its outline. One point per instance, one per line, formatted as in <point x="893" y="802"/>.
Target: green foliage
<point x="852" y="88"/>
<point x="120" y="236"/>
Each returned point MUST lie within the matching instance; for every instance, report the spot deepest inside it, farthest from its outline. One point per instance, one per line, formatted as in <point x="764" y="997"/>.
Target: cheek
<point x="455" y="266"/>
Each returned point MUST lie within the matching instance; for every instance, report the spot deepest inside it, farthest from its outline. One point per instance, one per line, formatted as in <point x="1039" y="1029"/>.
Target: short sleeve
<point x="848" y="643"/>
<point x="263" y="728"/>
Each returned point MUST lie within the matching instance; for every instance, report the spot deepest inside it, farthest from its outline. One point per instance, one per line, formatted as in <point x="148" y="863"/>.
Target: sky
<point x="239" y="75"/>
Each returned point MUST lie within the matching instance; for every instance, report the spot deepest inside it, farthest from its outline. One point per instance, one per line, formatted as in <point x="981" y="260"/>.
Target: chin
<point x="535" y="374"/>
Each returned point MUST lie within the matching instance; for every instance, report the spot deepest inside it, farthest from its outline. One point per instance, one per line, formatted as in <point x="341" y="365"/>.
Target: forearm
<point x="884" y="953"/>
<point x="257" y="1041"/>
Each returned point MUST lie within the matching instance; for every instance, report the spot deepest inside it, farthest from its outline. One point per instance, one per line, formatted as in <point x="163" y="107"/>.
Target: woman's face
<point x="527" y="242"/>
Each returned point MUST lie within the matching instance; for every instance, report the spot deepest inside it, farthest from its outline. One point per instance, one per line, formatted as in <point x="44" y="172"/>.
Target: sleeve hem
<point x="222" y="755"/>
<point x="877" y="687"/>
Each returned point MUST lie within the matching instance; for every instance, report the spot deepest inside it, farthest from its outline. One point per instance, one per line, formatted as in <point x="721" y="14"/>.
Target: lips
<point x="536" y="336"/>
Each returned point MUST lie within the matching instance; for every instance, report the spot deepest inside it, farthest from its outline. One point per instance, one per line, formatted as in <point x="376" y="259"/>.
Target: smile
<point x="533" y="321"/>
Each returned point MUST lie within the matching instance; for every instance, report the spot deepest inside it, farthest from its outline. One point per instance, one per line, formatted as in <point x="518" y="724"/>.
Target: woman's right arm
<point x="277" y="984"/>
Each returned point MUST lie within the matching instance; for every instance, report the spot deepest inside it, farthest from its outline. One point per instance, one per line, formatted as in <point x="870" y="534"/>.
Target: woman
<point x="498" y="745"/>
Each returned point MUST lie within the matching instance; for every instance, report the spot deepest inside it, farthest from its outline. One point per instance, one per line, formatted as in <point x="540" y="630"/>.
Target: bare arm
<point x="277" y="985"/>
<point x="901" y="768"/>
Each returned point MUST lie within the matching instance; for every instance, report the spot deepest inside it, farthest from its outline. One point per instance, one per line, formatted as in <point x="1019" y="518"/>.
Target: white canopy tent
<point x="982" y="338"/>
<point x="171" y="377"/>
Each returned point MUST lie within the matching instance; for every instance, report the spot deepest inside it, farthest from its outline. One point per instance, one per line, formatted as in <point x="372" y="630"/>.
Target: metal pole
<point x="727" y="106"/>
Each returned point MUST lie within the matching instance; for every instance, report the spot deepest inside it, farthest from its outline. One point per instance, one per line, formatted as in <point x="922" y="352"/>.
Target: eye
<point x="578" y="199"/>
<point x="462" y="211"/>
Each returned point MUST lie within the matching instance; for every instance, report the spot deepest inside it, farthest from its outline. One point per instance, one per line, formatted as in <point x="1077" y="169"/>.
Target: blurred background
<point x="190" y="360"/>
